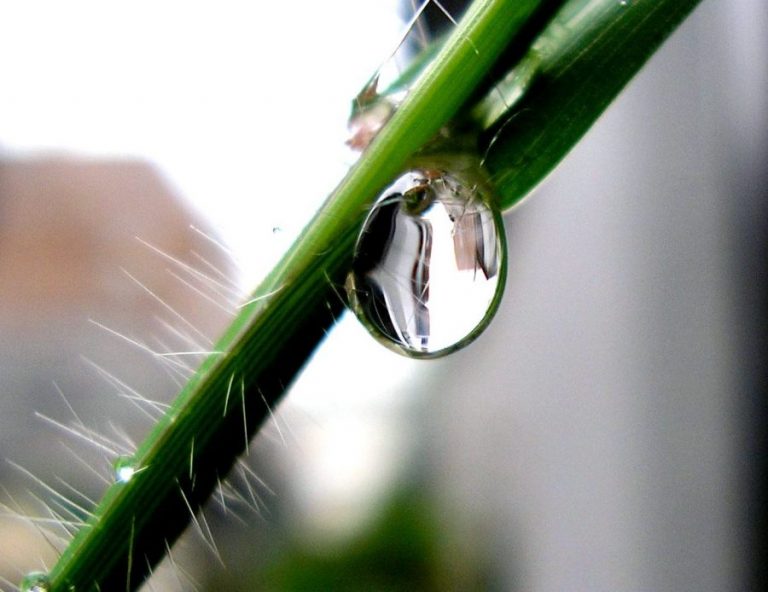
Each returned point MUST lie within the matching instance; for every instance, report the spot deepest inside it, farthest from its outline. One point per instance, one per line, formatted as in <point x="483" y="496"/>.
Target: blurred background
<point x="607" y="431"/>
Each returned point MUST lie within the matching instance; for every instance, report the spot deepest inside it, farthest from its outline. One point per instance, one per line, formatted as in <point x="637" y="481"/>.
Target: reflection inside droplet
<point x="429" y="263"/>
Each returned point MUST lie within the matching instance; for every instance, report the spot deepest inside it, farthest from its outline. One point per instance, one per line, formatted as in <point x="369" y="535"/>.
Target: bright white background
<point x="242" y="105"/>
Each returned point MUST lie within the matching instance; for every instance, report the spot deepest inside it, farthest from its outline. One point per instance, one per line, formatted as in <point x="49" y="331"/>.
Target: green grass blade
<point x="570" y="74"/>
<point x="207" y="428"/>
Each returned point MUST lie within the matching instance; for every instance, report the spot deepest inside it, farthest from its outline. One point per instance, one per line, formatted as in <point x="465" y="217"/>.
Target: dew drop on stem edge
<point x="35" y="581"/>
<point x="125" y="469"/>
<point x="430" y="262"/>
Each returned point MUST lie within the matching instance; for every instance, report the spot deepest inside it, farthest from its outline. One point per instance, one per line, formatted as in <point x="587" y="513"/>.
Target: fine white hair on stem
<point x="53" y="539"/>
<point x="167" y="306"/>
<point x="9" y="583"/>
<point x="226" y="286"/>
<point x="245" y="418"/>
<point x="229" y="392"/>
<point x="229" y="307"/>
<point x="201" y="526"/>
<point x="68" y="502"/>
<point x="217" y="243"/>
<point x="260" y="297"/>
<point x="138" y="344"/>
<point x="86" y="435"/>
<point x="191" y="457"/>
<point x="273" y="418"/>
<point x="125" y="391"/>
<point x="178" y="571"/>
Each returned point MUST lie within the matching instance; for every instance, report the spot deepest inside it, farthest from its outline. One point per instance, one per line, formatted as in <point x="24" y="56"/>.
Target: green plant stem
<point x="226" y="400"/>
<point x="572" y="71"/>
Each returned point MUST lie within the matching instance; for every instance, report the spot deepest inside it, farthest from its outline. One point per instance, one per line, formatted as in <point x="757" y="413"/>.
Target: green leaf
<point x="572" y="71"/>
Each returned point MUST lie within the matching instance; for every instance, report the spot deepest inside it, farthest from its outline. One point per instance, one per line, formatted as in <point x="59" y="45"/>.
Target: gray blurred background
<point x="605" y="434"/>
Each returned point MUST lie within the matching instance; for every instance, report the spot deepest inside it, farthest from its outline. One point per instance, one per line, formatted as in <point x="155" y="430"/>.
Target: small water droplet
<point x="430" y="263"/>
<point x="371" y="110"/>
<point x="35" y="581"/>
<point x="125" y="469"/>
<point x="366" y="123"/>
<point x="624" y="2"/>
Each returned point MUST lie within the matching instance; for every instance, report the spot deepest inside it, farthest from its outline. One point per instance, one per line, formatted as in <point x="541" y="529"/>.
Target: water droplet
<point x="371" y="110"/>
<point x="125" y="469"/>
<point x="430" y="263"/>
<point x="366" y="123"/>
<point x="35" y="581"/>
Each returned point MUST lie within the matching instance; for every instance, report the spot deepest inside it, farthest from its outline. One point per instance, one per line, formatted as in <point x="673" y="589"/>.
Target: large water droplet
<point x="35" y="581"/>
<point x="430" y="263"/>
<point x="125" y="469"/>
